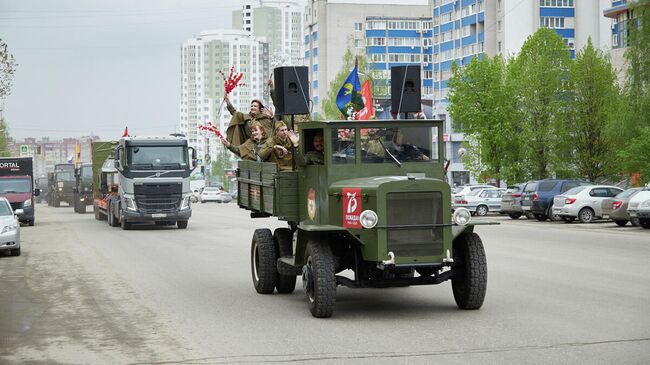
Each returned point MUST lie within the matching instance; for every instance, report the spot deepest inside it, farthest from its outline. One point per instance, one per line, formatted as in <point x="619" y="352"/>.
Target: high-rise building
<point x="331" y="26"/>
<point x="276" y="22"/>
<point x="621" y="17"/>
<point x="463" y="29"/>
<point x="202" y="85"/>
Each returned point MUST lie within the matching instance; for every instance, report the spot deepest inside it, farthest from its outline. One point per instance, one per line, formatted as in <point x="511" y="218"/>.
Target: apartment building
<point x="46" y="152"/>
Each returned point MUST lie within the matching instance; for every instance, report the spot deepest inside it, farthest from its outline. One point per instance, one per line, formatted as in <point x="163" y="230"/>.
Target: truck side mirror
<point x="193" y="156"/>
<point x="19" y="212"/>
<point x="118" y="158"/>
<point x="37" y="192"/>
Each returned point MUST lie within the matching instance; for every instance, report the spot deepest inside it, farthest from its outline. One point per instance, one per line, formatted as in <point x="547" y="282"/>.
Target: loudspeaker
<point x="291" y="90"/>
<point x="405" y="89"/>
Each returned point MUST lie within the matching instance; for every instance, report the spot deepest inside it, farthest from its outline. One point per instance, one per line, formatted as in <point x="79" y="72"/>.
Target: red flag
<point x="126" y="132"/>
<point x="368" y="110"/>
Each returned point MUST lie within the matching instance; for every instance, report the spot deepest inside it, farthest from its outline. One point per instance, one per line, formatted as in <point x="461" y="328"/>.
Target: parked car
<point x="460" y="191"/>
<point x="511" y="201"/>
<point x="583" y="202"/>
<point x="482" y="201"/>
<point x="537" y="198"/>
<point x="10" y="234"/>
<point x="639" y="207"/>
<point x="616" y="208"/>
<point x="214" y="194"/>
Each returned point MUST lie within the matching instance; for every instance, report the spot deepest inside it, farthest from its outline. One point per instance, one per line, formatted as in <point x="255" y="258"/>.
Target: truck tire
<point x="96" y="212"/>
<point x="263" y="261"/>
<point x="126" y="225"/>
<point x="283" y="239"/>
<point x="319" y="280"/>
<point x="621" y="223"/>
<point x="469" y="281"/>
<point x="514" y="215"/>
<point x="56" y="203"/>
<point x="182" y="224"/>
<point x="15" y="251"/>
<point x="82" y="207"/>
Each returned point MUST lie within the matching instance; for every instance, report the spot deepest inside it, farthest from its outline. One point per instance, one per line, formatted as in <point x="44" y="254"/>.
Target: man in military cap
<point x="313" y="157"/>
<point x="279" y="148"/>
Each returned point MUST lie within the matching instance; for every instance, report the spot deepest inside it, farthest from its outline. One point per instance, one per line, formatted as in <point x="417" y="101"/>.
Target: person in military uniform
<point x="404" y="151"/>
<point x="238" y="130"/>
<point x="279" y="148"/>
<point x="250" y="149"/>
<point x="313" y="157"/>
<point x="374" y="146"/>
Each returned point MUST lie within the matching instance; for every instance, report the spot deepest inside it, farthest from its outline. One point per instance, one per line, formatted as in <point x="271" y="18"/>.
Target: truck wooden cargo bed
<point x="266" y="191"/>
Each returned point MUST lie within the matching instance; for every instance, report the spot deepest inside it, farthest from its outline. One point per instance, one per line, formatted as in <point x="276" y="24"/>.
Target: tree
<point x="7" y="70"/>
<point x="219" y="166"/>
<point x="330" y="109"/>
<point x="483" y="107"/>
<point x="635" y="157"/>
<point x="538" y="76"/>
<point x="4" y="140"/>
<point x="592" y="84"/>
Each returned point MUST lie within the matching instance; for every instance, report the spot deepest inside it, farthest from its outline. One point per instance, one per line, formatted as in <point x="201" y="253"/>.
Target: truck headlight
<point x="645" y="204"/>
<point x="185" y="204"/>
<point x="9" y="228"/>
<point x="462" y="216"/>
<point x="60" y="189"/>
<point x="368" y="219"/>
<point x="130" y="203"/>
<point x="27" y="203"/>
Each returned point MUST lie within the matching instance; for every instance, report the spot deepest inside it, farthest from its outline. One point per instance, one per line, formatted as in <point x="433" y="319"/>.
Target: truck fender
<point x="339" y="239"/>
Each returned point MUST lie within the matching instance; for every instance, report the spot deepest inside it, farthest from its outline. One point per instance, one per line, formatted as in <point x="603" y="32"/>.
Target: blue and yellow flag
<point x="349" y="95"/>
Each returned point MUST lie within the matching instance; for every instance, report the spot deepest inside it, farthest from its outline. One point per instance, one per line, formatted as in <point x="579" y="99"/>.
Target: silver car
<point x="482" y="201"/>
<point x="583" y="202"/>
<point x="511" y="201"/>
<point x="215" y="194"/>
<point x="459" y="192"/>
<point x="10" y="234"/>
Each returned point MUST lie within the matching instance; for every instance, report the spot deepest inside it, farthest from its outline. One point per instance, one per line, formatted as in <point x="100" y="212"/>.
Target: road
<point x="86" y="293"/>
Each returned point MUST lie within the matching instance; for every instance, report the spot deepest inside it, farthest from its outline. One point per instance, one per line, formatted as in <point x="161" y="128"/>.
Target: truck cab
<point x="17" y="185"/>
<point x="62" y="185"/>
<point x="378" y="205"/>
<point x="153" y="180"/>
<point x="83" y="189"/>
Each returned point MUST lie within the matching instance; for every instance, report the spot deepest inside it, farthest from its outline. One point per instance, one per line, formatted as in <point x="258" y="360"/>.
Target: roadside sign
<point x="24" y="150"/>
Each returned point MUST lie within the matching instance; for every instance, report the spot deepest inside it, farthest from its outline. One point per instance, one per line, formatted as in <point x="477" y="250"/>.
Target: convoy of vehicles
<point x="381" y="212"/>
<point x="61" y="184"/>
<point x="83" y="189"/>
<point x="146" y="180"/>
<point x="17" y="186"/>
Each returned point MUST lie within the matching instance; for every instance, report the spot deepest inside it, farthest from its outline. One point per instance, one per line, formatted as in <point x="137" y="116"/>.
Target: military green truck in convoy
<point x="83" y="188"/>
<point x="143" y="179"/>
<point x="61" y="184"/>
<point x="378" y="206"/>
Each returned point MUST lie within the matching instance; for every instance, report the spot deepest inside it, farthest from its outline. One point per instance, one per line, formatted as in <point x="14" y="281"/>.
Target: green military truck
<point x="61" y="185"/>
<point x="378" y="207"/>
<point x="83" y="189"/>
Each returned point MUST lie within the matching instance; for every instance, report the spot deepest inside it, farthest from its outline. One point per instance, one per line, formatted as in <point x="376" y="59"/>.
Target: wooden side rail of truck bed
<point x="266" y="191"/>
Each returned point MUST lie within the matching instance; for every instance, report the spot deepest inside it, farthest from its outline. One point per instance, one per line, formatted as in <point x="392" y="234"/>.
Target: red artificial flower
<point x="232" y="81"/>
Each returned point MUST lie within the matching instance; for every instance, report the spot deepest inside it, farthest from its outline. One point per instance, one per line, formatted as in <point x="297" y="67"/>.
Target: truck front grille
<point x="158" y="198"/>
<point x="409" y="209"/>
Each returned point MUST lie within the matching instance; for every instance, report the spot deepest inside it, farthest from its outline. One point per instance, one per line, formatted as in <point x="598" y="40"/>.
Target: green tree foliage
<point x="634" y="121"/>
<point x="592" y="84"/>
<point x="220" y="164"/>
<point x="4" y="139"/>
<point x="482" y="106"/>
<point x="538" y="75"/>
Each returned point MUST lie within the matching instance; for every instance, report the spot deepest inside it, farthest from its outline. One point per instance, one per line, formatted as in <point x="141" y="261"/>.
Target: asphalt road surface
<point x="86" y="293"/>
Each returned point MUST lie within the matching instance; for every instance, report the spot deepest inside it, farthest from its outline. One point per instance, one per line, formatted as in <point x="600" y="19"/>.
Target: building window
<point x="358" y="27"/>
<point x="556" y="3"/>
<point x="552" y="22"/>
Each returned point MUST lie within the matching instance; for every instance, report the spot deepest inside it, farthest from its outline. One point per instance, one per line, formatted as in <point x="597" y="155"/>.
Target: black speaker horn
<point x="406" y="95"/>
<point x="291" y="90"/>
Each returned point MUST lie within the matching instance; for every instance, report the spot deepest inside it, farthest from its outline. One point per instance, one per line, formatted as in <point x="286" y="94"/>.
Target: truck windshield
<point x="65" y="176"/>
<point x="156" y="157"/>
<point x="406" y="144"/>
<point x="14" y="186"/>
<point x="86" y="172"/>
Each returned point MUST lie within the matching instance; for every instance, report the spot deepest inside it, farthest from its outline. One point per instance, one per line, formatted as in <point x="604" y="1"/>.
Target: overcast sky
<point x="91" y="66"/>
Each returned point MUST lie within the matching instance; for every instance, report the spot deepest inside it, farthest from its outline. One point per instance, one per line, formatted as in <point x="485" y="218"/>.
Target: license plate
<point x="632" y="214"/>
<point x="525" y="207"/>
<point x="556" y="211"/>
<point x="605" y="216"/>
<point x="159" y="215"/>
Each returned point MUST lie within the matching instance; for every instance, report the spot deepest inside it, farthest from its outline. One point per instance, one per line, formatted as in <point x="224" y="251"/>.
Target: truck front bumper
<point x="138" y="216"/>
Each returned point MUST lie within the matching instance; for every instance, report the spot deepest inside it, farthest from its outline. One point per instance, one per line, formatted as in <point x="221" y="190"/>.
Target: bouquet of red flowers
<point x="211" y="128"/>
<point x="232" y="81"/>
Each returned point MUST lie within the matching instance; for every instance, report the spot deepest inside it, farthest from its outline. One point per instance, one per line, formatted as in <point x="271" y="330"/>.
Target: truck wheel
<point x="318" y="279"/>
<point x="263" y="261"/>
<point x="96" y="212"/>
<point x="182" y="224"/>
<point x="481" y="210"/>
<point x="514" y="215"/>
<point x="621" y="223"/>
<point x="126" y="225"/>
<point x="15" y="252"/>
<point x="283" y="238"/>
<point x="56" y="203"/>
<point x="82" y="207"/>
<point x="586" y="215"/>
<point x="469" y="282"/>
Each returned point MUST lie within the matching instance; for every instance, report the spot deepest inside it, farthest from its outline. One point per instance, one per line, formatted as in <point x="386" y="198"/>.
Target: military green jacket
<point x="310" y="158"/>
<point x="248" y="150"/>
<point x="239" y="130"/>
<point x="269" y="153"/>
